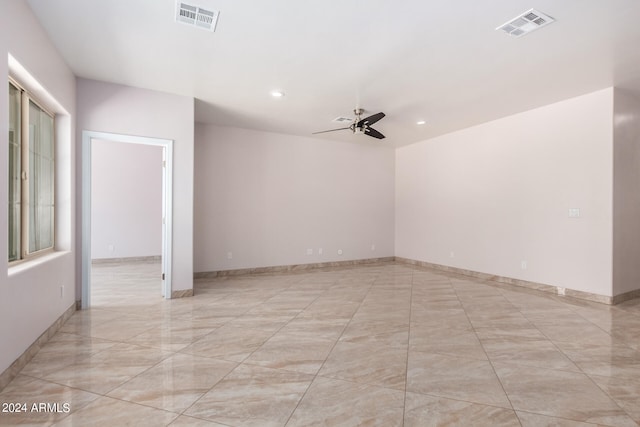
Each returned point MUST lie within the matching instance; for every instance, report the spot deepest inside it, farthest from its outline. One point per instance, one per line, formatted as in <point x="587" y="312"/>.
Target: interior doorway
<point x="89" y="138"/>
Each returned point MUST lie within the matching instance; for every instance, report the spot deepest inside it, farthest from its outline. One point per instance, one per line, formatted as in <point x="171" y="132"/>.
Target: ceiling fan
<point x="361" y="125"/>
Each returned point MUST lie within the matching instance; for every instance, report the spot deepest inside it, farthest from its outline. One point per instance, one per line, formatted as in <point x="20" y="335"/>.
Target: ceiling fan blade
<point x="370" y="120"/>
<point x="330" y="130"/>
<point x="374" y="133"/>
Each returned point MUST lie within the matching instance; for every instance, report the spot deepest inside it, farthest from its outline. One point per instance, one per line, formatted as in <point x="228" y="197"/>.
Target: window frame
<point x="26" y="98"/>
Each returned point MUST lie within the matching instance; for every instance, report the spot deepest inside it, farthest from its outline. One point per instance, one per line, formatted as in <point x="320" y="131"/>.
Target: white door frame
<point x="167" y="205"/>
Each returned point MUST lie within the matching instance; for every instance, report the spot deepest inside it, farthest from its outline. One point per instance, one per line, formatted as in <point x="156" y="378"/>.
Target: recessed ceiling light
<point x="277" y="94"/>
<point x="421" y="122"/>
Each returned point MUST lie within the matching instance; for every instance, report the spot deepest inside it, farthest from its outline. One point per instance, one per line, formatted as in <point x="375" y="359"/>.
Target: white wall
<point x="106" y="107"/>
<point x="498" y="194"/>
<point x="626" y="192"/>
<point x="268" y="197"/>
<point x="30" y="297"/>
<point x="126" y="200"/>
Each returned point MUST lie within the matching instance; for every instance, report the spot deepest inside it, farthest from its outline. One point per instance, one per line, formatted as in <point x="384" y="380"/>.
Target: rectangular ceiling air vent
<point x="196" y="15"/>
<point x="342" y="119"/>
<point x="523" y="24"/>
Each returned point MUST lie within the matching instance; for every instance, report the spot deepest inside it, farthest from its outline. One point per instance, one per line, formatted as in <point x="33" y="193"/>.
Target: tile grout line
<point x="553" y="342"/>
<point x="98" y="395"/>
<point x="406" y="375"/>
<point x="589" y="423"/>
<point x="175" y="353"/>
<point x="240" y="363"/>
<point x="317" y="374"/>
<point x="485" y="351"/>
<point x="443" y="354"/>
<point x="248" y="356"/>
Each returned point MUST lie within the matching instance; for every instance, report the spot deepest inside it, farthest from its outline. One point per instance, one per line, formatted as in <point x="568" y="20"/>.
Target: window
<point x="31" y="176"/>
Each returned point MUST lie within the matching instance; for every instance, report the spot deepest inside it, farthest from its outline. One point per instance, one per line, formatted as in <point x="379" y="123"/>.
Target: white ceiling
<point x="441" y="61"/>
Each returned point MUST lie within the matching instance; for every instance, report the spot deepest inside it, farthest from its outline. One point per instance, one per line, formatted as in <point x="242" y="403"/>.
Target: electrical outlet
<point x="523" y="265"/>
<point x="574" y="213"/>
<point x="309" y="251"/>
<point x="319" y="251"/>
<point x="229" y="255"/>
<point x="452" y="254"/>
<point x="373" y="247"/>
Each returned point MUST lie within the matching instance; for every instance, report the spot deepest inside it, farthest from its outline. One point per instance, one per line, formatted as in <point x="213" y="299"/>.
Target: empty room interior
<point x="337" y="213"/>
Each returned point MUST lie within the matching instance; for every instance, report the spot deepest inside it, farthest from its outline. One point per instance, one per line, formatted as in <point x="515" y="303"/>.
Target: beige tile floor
<point x="381" y="345"/>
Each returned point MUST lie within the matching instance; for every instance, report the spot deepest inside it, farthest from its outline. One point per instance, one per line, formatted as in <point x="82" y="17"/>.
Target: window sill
<point x="34" y="263"/>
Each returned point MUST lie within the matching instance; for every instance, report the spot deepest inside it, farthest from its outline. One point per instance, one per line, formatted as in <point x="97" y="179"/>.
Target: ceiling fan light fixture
<point x="342" y="120"/>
